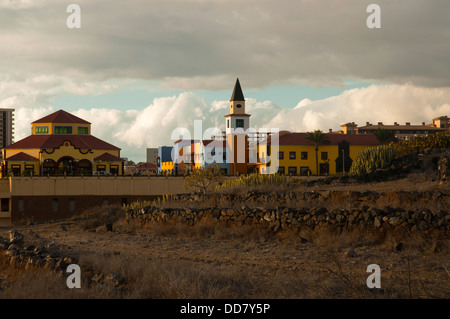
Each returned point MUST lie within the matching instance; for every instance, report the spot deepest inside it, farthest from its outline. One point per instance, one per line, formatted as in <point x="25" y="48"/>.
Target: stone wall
<point x="23" y="257"/>
<point x="283" y="217"/>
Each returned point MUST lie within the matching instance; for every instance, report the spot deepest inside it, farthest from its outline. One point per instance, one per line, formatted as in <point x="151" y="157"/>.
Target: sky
<point x="139" y="69"/>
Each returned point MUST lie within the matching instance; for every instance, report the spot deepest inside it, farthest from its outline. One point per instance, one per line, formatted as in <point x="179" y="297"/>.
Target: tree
<point x="384" y="136"/>
<point x="318" y="137"/>
<point x="201" y="178"/>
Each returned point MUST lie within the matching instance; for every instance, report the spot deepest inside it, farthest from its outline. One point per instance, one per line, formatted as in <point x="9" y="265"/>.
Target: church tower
<point x="237" y="123"/>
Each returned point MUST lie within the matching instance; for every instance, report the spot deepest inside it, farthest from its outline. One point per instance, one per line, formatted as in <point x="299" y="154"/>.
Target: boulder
<point x="394" y="221"/>
<point x="350" y="253"/>
<point x="16" y="238"/>
<point x="114" y="279"/>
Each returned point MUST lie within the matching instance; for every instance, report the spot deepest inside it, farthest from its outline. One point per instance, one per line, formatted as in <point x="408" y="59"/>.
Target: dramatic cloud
<point x="134" y="130"/>
<point x="204" y="45"/>
<point x="192" y="44"/>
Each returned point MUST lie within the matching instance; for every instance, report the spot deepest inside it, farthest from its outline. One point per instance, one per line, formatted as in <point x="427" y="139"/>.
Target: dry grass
<point x="322" y="267"/>
<point x="209" y="260"/>
<point x="100" y="216"/>
<point x="205" y="228"/>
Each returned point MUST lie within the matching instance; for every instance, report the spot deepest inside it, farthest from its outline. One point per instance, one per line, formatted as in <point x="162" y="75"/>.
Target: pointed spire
<point x="237" y="92"/>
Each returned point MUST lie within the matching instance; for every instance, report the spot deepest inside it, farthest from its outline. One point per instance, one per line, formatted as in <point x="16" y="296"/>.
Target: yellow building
<point x="61" y="144"/>
<point x="168" y="168"/>
<point x="297" y="155"/>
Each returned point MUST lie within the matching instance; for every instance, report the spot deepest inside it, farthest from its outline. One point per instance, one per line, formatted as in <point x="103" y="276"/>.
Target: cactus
<point x="421" y="143"/>
<point x="373" y="158"/>
<point x="254" y="180"/>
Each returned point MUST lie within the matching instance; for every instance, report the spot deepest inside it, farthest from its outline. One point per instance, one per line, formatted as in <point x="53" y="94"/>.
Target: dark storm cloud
<point x="194" y="44"/>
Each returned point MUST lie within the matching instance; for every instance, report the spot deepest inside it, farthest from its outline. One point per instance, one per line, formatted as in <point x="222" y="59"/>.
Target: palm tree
<point x="384" y="136"/>
<point x="318" y="137"/>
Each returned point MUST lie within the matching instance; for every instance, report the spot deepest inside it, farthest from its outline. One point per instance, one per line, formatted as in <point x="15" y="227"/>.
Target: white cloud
<point x="376" y="103"/>
<point x="25" y="116"/>
<point x="135" y="130"/>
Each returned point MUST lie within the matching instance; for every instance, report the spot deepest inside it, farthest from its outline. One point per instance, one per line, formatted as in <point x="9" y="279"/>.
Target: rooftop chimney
<point x="367" y="123"/>
<point x="380" y="123"/>
<point x="408" y="123"/>
<point x="330" y="130"/>
<point x="395" y="123"/>
<point x="423" y="123"/>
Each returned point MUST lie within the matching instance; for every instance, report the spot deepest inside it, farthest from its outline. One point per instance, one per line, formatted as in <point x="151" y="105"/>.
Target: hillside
<point x="314" y="240"/>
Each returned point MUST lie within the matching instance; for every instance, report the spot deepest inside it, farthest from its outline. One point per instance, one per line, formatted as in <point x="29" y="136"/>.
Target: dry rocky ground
<point x="121" y="259"/>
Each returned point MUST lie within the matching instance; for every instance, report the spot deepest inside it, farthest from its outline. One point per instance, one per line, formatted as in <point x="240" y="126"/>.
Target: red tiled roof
<point x="54" y="141"/>
<point x="333" y="138"/>
<point x="21" y="157"/>
<point x="147" y="166"/>
<point x="61" y="117"/>
<point x="401" y="127"/>
<point x="108" y="157"/>
<point x="215" y="143"/>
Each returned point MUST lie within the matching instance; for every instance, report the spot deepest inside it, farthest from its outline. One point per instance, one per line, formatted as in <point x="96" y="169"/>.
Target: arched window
<point x="48" y="167"/>
<point x="66" y="166"/>
<point x="84" y="167"/>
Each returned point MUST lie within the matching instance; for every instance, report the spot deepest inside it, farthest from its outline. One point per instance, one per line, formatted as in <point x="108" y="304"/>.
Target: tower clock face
<point x="238" y="106"/>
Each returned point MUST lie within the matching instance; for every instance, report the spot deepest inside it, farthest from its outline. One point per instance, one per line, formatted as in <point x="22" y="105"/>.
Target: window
<point x="281" y="170"/>
<point x="304" y="155"/>
<point x="238" y="106"/>
<point x="63" y="129"/>
<point x="16" y="169"/>
<point x="292" y="170"/>
<point x="304" y="170"/>
<point x="114" y="169"/>
<point x="281" y="155"/>
<point x="101" y="168"/>
<point x="240" y="123"/>
<point x="41" y="130"/>
<point x="5" y="204"/>
<point x="83" y="130"/>
<point x="291" y="155"/>
<point x="29" y="170"/>
<point x="71" y="205"/>
<point x="55" y="205"/>
<point x="21" y="205"/>
<point x="324" y="156"/>
<point x="228" y="123"/>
